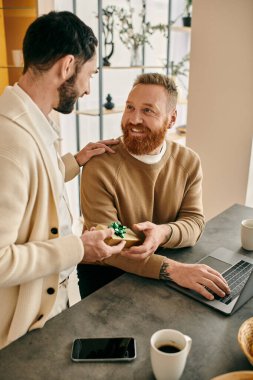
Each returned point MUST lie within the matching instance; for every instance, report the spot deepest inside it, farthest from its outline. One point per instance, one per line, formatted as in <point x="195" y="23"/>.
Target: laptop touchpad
<point x="216" y="264"/>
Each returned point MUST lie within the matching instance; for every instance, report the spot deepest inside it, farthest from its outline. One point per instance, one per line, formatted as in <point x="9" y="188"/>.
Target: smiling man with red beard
<point x="144" y="129"/>
<point x="153" y="186"/>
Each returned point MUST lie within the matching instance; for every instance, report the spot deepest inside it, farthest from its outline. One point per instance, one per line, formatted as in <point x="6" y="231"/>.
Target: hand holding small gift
<point x="121" y="233"/>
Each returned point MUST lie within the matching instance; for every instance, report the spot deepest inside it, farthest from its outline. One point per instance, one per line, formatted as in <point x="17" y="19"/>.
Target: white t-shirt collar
<point x="150" y="158"/>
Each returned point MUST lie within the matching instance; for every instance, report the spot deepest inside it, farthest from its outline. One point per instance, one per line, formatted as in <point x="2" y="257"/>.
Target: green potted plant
<point x="132" y="39"/>
<point x="187" y="18"/>
<point x="180" y="70"/>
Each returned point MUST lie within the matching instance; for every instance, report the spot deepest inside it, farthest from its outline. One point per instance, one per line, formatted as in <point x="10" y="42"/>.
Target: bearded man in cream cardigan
<point x="38" y="250"/>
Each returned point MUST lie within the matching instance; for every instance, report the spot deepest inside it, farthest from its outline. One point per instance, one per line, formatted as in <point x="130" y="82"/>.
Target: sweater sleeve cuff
<point x="175" y="237"/>
<point x="72" y="168"/>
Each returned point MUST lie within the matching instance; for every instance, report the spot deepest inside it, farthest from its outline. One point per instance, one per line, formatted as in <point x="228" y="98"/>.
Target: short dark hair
<point x="53" y="36"/>
<point x="161" y="80"/>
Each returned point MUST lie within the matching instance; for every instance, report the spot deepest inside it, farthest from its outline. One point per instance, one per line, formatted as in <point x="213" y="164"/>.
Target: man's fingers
<point x="140" y="249"/>
<point x="103" y="142"/>
<point x="100" y="145"/>
<point x="210" y="285"/>
<point x="108" y="149"/>
<point x="141" y="226"/>
<point x="219" y="280"/>
<point x="219" y="284"/>
<point x="117" y="248"/>
<point x="95" y="152"/>
<point x="203" y="291"/>
<point x="99" y="149"/>
<point x="213" y="284"/>
<point x="113" y="250"/>
<point x="109" y="142"/>
<point x="107" y="232"/>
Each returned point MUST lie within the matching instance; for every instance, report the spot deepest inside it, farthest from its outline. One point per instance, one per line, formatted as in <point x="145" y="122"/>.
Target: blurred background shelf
<point x="115" y="110"/>
<point x="176" y="28"/>
<point x="95" y="112"/>
<point x="15" y="17"/>
<point x="133" y="67"/>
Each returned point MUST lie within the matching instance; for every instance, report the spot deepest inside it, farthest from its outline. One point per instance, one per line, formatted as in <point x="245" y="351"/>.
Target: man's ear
<point x="172" y="118"/>
<point x="67" y="67"/>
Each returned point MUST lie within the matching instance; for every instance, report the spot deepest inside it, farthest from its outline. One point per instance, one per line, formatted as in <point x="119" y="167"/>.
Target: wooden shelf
<point x="179" y="138"/>
<point x="115" y="110"/>
<point x="18" y="8"/>
<point x="132" y="67"/>
<point x="16" y="16"/>
<point x="11" y="67"/>
<point x="182" y="101"/>
<point x="95" y="112"/>
<point x="20" y="12"/>
<point x="181" y="29"/>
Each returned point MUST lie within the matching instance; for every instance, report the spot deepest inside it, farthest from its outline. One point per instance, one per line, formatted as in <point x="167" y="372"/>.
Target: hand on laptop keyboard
<point x="198" y="277"/>
<point x="236" y="277"/>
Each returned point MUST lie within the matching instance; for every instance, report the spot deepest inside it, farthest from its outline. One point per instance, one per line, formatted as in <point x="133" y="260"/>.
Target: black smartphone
<point x="103" y="349"/>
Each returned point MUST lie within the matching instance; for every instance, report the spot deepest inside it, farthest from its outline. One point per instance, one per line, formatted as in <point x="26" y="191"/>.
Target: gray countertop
<point x="135" y="306"/>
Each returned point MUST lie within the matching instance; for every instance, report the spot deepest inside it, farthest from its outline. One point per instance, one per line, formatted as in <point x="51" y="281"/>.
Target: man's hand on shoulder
<point x="155" y="236"/>
<point x="94" y="149"/>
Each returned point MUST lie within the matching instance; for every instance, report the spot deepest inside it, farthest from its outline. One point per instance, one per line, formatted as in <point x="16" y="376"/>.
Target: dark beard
<point x="143" y="145"/>
<point x="67" y="96"/>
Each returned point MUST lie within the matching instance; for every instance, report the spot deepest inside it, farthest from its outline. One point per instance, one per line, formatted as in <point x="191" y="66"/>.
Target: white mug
<point x="247" y="234"/>
<point x="168" y="351"/>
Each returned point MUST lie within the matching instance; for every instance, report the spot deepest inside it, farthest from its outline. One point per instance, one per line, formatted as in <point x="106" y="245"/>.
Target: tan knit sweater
<point x="118" y="187"/>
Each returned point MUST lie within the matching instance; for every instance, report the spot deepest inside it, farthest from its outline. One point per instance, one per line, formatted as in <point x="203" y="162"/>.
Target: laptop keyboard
<point x="236" y="277"/>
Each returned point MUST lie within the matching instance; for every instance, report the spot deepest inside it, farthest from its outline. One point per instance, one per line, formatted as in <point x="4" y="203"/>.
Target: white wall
<point x="220" y="108"/>
<point x="249" y="195"/>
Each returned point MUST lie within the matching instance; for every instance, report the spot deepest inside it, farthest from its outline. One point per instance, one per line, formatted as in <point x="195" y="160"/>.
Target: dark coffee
<point x="169" y="349"/>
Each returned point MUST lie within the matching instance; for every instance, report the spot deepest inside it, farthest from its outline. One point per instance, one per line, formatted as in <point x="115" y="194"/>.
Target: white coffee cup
<point x="247" y="234"/>
<point x="169" y="365"/>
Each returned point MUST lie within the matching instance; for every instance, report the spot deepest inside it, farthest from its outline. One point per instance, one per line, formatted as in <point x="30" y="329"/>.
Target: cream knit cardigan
<point x="31" y="253"/>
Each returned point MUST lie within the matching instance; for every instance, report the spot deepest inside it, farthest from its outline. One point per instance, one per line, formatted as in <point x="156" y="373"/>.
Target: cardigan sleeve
<point x="72" y="168"/>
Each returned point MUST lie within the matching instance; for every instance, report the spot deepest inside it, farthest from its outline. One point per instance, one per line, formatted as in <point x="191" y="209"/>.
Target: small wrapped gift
<point x="120" y="233"/>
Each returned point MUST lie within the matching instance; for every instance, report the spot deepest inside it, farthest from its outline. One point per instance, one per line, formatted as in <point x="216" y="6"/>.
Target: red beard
<point x="140" y="145"/>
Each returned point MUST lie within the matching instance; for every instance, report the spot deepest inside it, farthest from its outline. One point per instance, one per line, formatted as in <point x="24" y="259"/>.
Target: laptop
<point x="237" y="269"/>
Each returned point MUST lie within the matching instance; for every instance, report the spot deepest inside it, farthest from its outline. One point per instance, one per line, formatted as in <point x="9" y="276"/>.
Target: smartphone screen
<point x="104" y="349"/>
